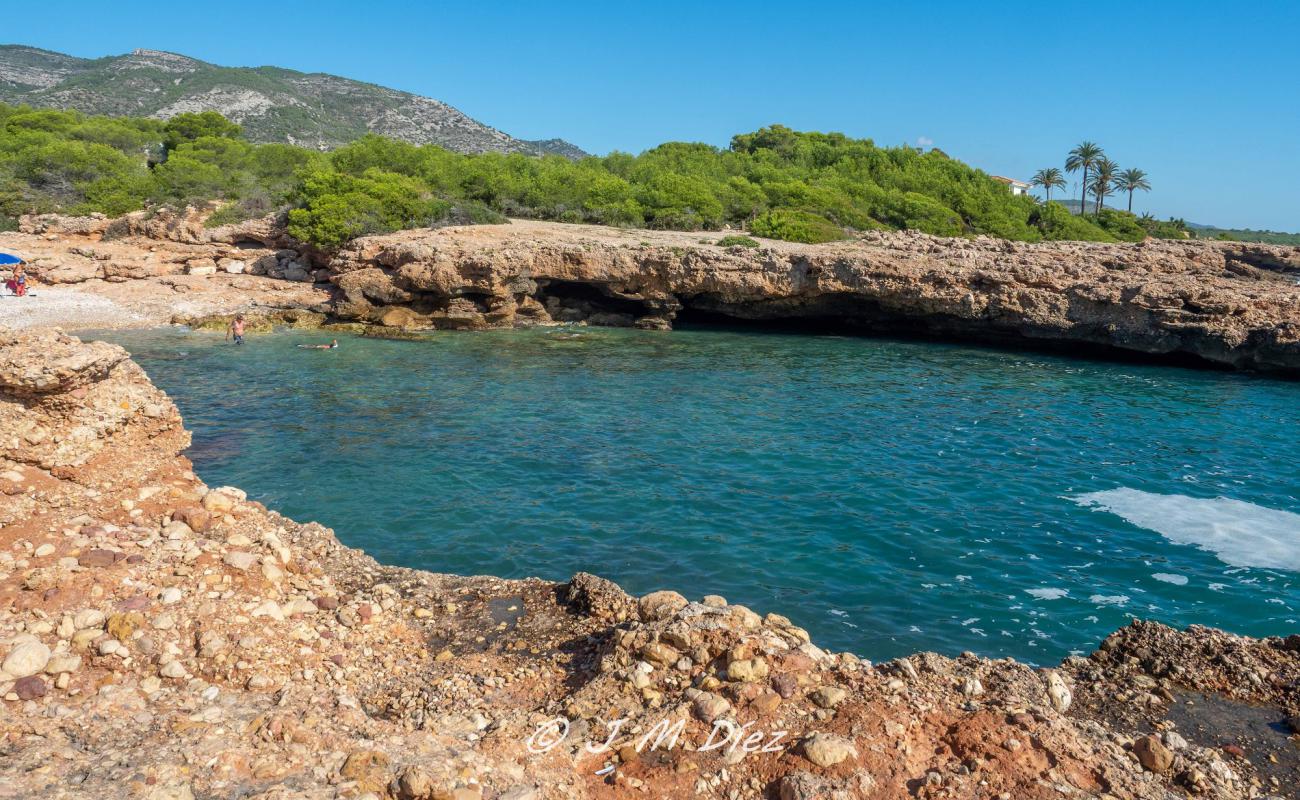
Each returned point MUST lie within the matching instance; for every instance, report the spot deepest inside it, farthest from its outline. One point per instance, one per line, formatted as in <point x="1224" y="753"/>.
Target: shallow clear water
<point x="889" y="496"/>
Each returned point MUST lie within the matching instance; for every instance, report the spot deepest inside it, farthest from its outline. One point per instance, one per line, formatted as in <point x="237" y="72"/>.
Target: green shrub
<point x="1057" y="224"/>
<point x="796" y="226"/>
<point x="915" y="211"/>
<point x="470" y="213"/>
<point x="1120" y="224"/>
<point x="184" y="128"/>
<point x="8" y="223"/>
<point x="335" y="208"/>
<point x="228" y="214"/>
<point x="737" y="241"/>
<point x="1166" y="229"/>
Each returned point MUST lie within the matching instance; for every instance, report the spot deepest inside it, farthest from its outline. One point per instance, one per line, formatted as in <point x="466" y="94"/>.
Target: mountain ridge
<point x="273" y="104"/>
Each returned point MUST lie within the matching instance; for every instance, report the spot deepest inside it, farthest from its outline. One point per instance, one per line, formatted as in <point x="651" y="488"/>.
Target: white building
<point x="1017" y="187"/>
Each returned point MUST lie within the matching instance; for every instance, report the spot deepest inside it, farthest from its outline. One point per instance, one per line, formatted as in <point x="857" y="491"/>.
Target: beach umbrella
<point x="5" y="258"/>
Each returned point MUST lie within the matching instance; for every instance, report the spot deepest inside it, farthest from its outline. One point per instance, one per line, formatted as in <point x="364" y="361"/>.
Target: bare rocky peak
<point x="157" y="59"/>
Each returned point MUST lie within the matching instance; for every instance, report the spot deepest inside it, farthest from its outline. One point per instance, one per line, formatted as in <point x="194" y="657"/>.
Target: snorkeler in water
<point x="333" y="345"/>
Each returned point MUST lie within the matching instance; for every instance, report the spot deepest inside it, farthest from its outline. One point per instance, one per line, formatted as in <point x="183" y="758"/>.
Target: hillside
<point x="272" y="104"/>
<point x="1246" y="234"/>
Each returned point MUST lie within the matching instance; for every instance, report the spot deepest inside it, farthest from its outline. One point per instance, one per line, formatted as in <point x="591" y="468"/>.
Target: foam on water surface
<point x="1238" y="533"/>
<point x="1048" y="593"/>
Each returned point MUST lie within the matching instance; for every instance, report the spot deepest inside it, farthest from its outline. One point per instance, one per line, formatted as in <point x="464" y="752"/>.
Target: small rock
<point x="177" y="529"/>
<point x="414" y="783"/>
<point x="785" y="685"/>
<point x="88" y="618"/>
<point x="170" y="596"/>
<point x="172" y="669"/>
<point x="1153" y="755"/>
<point x="827" y="750"/>
<point x="802" y="786"/>
<point x="122" y="626"/>
<point x="747" y="670"/>
<point x="767" y="702"/>
<point x="27" y="658"/>
<point x="660" y="653"/>
<point x="660" y="605"/>
<point x="97" y="558"/>
<point x="709" y="707"/>
<point x="240" y="560"/>
<point x="62" y="662"/>
<point x="369" y="768"/>
<point x="30" y="687"/>
<point x="218" y="502"/>
<point x="1058" y="692"/>
<point x="828" y="696"/>
<point x="271" y="609"/>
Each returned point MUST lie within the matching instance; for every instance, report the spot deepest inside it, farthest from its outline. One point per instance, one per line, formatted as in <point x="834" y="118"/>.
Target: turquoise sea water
<point x="889" y="496"/>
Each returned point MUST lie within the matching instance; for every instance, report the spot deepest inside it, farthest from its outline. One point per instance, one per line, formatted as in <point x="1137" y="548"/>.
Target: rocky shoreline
<point x="163" y="639"/>
<point x="1226" y="304"/>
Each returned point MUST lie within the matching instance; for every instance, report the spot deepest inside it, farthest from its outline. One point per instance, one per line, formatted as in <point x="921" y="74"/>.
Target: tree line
<point x="1102" y="177"/>
<point x="773" y="183"/>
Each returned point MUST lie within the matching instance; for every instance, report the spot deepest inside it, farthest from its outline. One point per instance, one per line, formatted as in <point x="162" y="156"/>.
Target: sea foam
<point x="1239" y="533"/>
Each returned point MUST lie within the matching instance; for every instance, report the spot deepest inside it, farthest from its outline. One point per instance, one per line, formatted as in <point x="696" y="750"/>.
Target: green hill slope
<point x="272" y="104"/>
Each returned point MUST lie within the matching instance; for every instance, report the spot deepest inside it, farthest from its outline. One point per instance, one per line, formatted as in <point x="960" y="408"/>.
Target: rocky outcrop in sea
<point x="161" y="638"/>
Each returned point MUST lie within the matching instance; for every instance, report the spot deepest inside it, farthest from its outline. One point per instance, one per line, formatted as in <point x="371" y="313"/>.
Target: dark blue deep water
<point x="889" y="496"/>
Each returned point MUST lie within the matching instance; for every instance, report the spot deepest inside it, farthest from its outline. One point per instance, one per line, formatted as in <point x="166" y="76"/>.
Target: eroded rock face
<point x="62" y="401"/>
<point x="1227" y="303"/>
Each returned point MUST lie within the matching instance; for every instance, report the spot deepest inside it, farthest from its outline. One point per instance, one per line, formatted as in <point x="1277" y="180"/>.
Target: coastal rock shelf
<point x="1230" y="304"/>
<point x="163" y="639"/>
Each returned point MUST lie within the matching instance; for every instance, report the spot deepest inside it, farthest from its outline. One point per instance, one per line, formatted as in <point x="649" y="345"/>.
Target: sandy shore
<point x="151" y="302"/>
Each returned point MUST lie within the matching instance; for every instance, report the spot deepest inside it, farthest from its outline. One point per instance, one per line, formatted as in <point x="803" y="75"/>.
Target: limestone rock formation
<point x="1225" y="303"/>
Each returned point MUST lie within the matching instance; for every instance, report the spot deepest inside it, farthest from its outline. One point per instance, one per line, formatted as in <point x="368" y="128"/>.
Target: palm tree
<point x="1103" y="182"/>
<point x="1082" y="158"/>
<point x="1132" y="180"/>
<point x="1050" y="178"/>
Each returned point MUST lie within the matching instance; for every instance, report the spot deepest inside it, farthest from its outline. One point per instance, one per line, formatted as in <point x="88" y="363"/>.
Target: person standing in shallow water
<point x="236" y="329"/>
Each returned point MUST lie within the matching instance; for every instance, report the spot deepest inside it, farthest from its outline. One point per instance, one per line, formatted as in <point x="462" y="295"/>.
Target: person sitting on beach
<point x="236" y="329"/>
<point x="334" y="343"/>
<point x="18" y="283"/>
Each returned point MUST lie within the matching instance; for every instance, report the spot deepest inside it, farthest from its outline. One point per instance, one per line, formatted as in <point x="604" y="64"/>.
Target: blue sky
<point x="1203" y="96"/>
